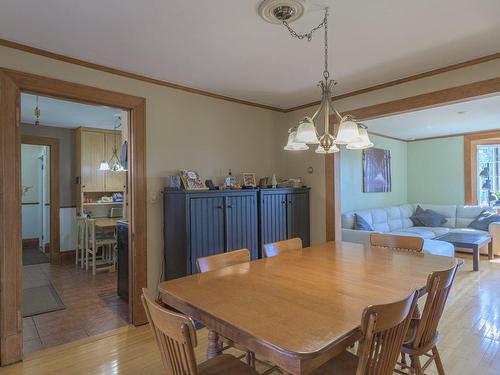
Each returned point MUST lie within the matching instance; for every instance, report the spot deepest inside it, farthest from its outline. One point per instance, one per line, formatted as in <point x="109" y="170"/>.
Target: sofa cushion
<point x="448" y="211"/>
<point x="425" y="234"/>
<point x="380" y="220"/>
<point x="406" y="212"/>
<point x="437" y="247"/>
<point x="360" y="223"/>
<point x="438" y="231"/>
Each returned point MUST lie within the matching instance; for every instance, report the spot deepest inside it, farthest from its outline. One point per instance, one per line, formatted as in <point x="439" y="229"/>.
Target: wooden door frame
<point x="11" y="321"/>
<point x="53" y="143"/>
<point x="438" y="98"/>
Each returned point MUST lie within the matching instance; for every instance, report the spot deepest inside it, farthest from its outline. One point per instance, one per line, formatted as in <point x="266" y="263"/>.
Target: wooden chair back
<point x="277" y="248"/>
<point x="89" y="233"/>
<point x="215" y="262"/>
<point x="175" y="335"/>
<point x="384" y="328"/>
<point x="438" y="287"/>
<point x="397" y="242"/>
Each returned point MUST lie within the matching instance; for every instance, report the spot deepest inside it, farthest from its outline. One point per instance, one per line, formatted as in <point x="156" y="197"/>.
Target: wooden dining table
<point x="302" y="308"/>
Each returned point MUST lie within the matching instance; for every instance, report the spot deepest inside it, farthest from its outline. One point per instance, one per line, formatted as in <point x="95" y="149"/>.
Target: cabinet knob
<point x="219" y="206"/>
<point x="229" y="206"/>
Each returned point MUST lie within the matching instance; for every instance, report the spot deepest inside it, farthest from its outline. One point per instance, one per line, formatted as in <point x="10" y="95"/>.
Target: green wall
<point x="436" y="171"/>
<point x="352" y="196"/>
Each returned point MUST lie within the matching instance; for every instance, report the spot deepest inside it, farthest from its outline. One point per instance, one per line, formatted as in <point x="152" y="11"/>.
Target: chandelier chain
<point x="308" y="35"/>
<point x="326" y="74"/>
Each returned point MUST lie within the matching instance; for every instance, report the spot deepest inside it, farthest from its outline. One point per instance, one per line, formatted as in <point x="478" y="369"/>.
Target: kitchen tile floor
<point x="92" y="306"/>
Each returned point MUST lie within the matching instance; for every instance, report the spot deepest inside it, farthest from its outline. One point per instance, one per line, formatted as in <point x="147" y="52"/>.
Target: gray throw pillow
<point x="483" y="221"/>
<point x="427" y="218"/>
<point x="360" y="223"/>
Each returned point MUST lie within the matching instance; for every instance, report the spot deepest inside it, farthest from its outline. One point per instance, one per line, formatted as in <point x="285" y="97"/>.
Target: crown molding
<point x="414" y="77"/>
<point x="139" y="77"/>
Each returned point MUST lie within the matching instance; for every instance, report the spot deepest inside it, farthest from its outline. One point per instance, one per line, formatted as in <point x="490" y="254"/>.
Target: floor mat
<point x="34" y="256"/>
<point x="41" y="299"/>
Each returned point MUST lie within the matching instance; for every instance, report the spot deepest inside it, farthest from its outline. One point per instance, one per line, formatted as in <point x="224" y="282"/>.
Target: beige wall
<point x="184" y="130"/>
<point x="191" y="131"/>
<point x="295" y="163"/>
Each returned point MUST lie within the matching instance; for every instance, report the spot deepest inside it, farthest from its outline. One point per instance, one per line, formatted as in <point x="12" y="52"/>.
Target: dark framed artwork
<point x="376" y="170"/>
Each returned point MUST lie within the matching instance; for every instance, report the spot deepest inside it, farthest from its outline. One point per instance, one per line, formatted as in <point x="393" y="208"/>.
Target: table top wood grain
<point x="300" y="308"/>
<point x="106" y="222"/>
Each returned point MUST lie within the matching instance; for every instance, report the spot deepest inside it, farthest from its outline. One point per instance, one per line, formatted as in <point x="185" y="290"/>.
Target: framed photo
<point x="191" y="180"/>
<point x="376" y="170"/>
<point x="249" y="179"/>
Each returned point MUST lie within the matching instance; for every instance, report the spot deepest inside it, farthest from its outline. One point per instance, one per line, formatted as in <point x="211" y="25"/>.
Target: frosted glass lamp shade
<point x="306" y="132"/>
<point x="292" y="145"/>
<point x="332" y="150"/>
<point x="364" y="143"/>
<point x="104" y="166"/>
<point x="348" y="133"/>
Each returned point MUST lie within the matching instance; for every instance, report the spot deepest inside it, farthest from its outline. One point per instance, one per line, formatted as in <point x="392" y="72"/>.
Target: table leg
<point x="490" y="251"/>
<point x="475" y="258"/>
<point x="213" y="348"/>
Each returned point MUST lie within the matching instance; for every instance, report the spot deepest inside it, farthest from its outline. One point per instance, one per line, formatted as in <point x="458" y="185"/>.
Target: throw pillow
<point x="360" y="223"/>
<point x="483" y="220"/>
<point x="427" y="218"/>
<point x="414" y="218"/>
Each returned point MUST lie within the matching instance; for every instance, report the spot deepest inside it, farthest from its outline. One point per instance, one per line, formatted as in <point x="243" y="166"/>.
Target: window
<point x="488" y="174"/>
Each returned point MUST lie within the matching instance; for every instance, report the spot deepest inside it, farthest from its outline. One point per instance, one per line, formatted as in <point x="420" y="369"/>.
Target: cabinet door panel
<point x="273" y="218"/>
<point x="92" y="153"/>
<point x="298" y="216"/>
<point x="241" y="218"/>
<point x="114" y="181"/>
<point x="206" y="217"/>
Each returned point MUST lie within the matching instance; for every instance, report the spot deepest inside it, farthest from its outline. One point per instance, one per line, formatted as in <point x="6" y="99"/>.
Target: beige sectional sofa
<point x="396" y="220"/>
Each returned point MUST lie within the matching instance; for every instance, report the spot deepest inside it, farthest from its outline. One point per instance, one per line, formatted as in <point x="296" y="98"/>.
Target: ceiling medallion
<point x="277" y="11"/>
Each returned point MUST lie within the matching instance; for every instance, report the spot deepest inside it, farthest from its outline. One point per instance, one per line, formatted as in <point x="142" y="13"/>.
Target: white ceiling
<point x="64" y="114"/>
<point x="458" y="118"/>
<point x="224" y="47"/>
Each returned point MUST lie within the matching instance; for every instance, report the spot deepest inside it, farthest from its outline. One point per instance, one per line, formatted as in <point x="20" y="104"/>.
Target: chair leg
<point x="415" y="365"/>
<point x="250" y="358"/>
<point x="437" y="361"/>
<point x="94" y="258"/>
<point x="86" y="259"/>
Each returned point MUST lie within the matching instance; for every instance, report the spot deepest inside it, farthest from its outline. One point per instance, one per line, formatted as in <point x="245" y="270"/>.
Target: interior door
<point x="93" y="152"/>
<point x="298" y="216"/>
<point x="241" y="218"/>
<point x="273" y="218"/>
<point x="206" y="217"/>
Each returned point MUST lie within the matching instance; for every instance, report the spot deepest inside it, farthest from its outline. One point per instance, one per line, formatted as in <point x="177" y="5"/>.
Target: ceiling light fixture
<point x="116" y="165"/>
<point x="349" y="132"/>
<point x="37" y="113"/>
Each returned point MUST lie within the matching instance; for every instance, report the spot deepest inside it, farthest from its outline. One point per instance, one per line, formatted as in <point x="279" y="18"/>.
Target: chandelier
<point x="114" y="163"/>
<point x="349" y="132"/>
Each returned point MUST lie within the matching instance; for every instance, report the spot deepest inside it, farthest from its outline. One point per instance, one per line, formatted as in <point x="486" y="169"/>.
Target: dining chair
<point x="175" y="336"/>
<point x="93" y="242"/>
<point x="215" y="262"/>
<point x="383" y="329"/>
<point x="397" y="242"/>
<point x="277" y="248"/>
<point x="422" y="336"/>
<point x="218" y="261"/>
<point x="80" y="241"/>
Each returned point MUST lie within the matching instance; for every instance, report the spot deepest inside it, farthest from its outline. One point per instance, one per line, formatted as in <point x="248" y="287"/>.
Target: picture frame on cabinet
<point x="249" y="179"/>
<point x="191" y="180"/>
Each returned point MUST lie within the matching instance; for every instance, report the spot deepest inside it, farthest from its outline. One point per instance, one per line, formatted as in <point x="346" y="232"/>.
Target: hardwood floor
<point x="92" y="306"/>
<point x="470" y="342"/>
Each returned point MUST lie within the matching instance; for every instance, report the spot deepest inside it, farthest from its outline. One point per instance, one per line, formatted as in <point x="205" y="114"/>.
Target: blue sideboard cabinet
<point x="284" y="214"/>
<point x="198" y="224"/>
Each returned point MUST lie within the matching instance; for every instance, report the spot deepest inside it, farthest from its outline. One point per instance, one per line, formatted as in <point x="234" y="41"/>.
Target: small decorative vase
<point x="274" y="183"/>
